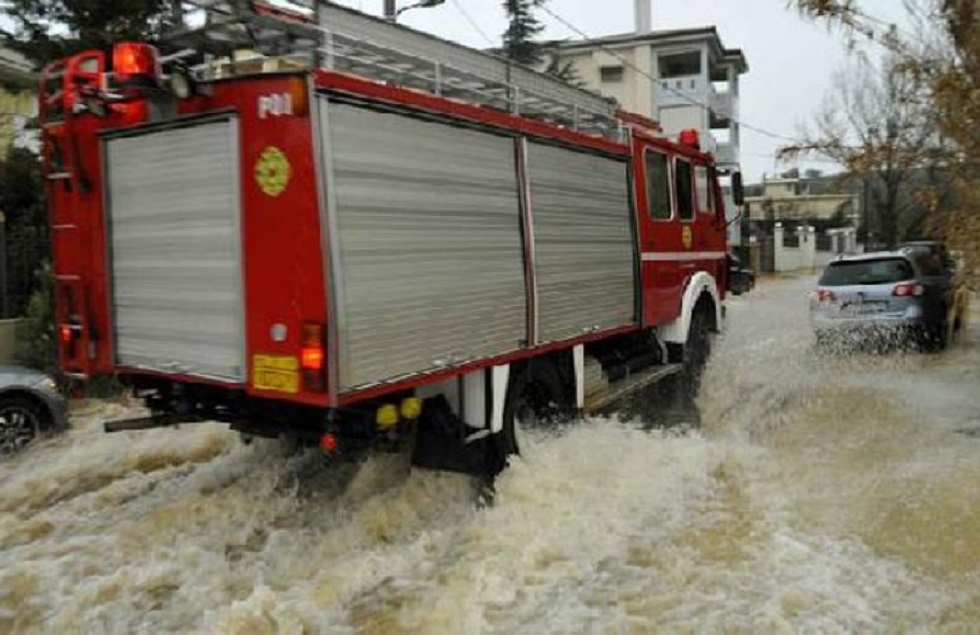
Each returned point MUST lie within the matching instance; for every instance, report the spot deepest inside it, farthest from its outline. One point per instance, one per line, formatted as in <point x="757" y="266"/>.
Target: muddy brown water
<point x="819" y="493"/>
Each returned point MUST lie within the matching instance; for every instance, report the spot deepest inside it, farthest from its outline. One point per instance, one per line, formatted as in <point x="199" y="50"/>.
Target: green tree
<point x="49" y="29"/>
<point x="523" y="27"/>
<point x="35" y="345"/>
<point x="27" y="242"/>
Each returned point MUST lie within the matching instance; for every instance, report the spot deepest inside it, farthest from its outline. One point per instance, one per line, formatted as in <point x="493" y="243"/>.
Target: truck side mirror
<point x="738" y="191"/>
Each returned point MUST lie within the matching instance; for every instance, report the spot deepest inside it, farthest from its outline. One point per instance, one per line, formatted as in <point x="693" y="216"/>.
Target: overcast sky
<point x="790" y="59"/>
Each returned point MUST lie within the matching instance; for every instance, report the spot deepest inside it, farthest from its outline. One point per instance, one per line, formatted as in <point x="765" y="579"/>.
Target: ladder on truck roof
<point x="328" y="36"/>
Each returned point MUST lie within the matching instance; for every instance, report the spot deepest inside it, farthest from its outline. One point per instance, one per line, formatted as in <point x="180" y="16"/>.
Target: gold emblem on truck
<point x="686" y="237"/>
<point x="272" y="171"/>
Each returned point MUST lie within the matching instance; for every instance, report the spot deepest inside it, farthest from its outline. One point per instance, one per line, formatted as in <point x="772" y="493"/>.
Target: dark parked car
<point x="930" y="254"/>
<point x="741" y="279"/>
<point x="31" y="406"/>
<point x="882" y="295"/>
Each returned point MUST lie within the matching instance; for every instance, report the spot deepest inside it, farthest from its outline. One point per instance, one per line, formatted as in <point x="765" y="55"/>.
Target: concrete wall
<point x="807" y="257"/>
<point x="7" y="333"/>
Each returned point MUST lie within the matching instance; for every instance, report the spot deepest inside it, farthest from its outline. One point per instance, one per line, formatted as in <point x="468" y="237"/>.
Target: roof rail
<point x="336" y="38"/>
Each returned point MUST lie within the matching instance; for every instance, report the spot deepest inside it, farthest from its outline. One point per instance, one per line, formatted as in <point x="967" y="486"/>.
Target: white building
<point x="682" y="78"/>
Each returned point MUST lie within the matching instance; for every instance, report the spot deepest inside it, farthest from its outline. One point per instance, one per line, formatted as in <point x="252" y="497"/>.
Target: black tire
<point x="697" y="350"/>
<point x="21" y="423"/>
<point x="537" y="398"/>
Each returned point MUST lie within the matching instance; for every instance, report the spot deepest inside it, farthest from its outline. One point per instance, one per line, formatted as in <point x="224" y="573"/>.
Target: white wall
<point x="806" y="257"/>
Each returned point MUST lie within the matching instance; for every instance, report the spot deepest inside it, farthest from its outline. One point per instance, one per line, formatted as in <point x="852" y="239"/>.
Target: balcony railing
<point x="681" y="91"/>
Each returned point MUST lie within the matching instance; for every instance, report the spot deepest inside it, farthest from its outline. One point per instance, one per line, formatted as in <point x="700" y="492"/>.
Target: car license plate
<point x="277" y="373"/>
<point x="863" y="308"/>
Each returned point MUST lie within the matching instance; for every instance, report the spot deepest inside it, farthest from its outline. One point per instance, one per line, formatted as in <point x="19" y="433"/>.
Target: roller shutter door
<point x="583" y="242"/>
<point x="175" y="245"/>
<point x="429" y="238"/>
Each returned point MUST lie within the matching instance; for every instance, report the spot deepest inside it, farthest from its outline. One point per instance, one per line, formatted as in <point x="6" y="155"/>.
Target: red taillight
<point x="329" y="443"/>
<point x="908" y="290"/>
<point x="132" y="61"/>
<point x="823" y="295"/>
<point x="313" y="358"/>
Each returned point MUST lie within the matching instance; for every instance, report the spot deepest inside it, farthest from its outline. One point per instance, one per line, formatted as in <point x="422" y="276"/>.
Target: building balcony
<point x="681" y="91"/>
<point x="726" y="153"/>
<point x="685" y="90"/>
<point x="724" y="105"/>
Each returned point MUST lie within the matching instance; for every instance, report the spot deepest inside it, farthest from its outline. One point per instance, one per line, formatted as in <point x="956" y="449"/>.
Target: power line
<point x="683" y="95"/>
<point x="474" y="23"/>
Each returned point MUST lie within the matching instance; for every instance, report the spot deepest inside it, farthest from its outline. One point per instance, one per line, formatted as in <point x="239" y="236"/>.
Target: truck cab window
<point x="658" y="186"/>
<point x="685" y="190"/>
<point x="706" y="203"/>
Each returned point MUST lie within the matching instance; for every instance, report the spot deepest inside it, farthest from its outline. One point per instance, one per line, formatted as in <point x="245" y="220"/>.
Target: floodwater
<point x="818" y="494"/>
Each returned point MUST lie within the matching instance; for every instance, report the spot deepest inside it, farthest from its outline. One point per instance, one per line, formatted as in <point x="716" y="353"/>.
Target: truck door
<point x="665" y="209"/>
<point x="709" y="229"/>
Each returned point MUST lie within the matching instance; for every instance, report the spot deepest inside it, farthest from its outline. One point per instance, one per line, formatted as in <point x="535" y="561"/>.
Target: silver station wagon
<point x="882" y="297"/>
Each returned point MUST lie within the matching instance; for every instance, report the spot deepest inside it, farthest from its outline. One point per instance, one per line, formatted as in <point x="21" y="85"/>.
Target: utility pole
<point x="391" y="13"/>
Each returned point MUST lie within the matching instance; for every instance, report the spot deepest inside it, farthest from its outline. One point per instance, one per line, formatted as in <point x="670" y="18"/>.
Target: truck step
<point x="147" y="423"/>
<point x="623" y="387"/>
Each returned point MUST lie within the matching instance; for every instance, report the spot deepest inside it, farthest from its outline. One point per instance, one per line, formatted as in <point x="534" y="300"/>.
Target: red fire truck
<point x="313" y="250"/>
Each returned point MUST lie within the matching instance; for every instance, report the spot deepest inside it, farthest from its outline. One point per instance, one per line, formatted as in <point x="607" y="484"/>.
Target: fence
<point x="7" y="340"/>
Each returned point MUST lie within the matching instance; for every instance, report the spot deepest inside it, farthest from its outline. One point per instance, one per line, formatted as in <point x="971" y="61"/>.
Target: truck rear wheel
<point x="537" y="400"/>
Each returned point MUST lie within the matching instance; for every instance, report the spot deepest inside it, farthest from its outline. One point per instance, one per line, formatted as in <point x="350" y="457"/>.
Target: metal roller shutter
<point x="175" y="250"/>
<point x="583" y="242"/>
<point x="429" y="237"/>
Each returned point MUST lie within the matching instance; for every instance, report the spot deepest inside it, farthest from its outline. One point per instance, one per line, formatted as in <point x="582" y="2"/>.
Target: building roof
<point x="664" y="38"/>
<point x="15" y="68"/>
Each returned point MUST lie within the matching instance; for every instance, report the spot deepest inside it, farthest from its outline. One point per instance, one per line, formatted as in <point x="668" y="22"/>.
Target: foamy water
<point x="820" y="494"/>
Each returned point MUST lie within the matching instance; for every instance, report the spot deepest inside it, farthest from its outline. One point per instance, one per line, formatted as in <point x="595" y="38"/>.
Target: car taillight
<point x="313" y="358"/>
<point x="908" y="289"/>
<point x="823" y="295"/>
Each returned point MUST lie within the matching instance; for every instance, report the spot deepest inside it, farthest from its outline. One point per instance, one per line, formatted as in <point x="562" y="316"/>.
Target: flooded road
<point x="819" y="493"/>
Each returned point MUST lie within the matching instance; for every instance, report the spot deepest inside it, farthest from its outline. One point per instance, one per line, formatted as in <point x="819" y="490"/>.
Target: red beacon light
<point x="135" y="63"/>
<point x="690" y="138"/>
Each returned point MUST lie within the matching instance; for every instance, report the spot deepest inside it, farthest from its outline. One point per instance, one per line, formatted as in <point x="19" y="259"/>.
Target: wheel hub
<point x="18" y="428"/>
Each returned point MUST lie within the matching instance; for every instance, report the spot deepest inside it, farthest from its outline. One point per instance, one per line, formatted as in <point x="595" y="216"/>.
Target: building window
<point x="658" y="186"/>
<point x="684" y="186"/>
<point x="679" y="64"/>
<point x="611" y="74"/>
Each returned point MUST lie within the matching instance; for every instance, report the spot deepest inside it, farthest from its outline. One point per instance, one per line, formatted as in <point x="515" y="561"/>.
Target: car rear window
<point x="879" y="271"/>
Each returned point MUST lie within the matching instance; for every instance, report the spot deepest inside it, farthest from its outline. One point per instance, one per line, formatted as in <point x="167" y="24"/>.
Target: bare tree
<point x="941" y="48"/>
<point x="876" y="121"/>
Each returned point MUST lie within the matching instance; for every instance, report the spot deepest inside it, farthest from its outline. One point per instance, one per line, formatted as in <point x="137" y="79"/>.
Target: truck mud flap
<point x="444" y="442"/>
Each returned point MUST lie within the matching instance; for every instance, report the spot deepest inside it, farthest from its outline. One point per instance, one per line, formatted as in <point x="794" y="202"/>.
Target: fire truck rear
<point x="314" y="251"/>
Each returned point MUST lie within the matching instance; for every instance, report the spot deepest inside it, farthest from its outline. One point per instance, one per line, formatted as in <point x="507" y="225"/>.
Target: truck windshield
<point x="880" y="271"/>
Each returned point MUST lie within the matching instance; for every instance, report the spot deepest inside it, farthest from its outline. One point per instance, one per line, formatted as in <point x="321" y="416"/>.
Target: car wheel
<point x="21" y="422"/>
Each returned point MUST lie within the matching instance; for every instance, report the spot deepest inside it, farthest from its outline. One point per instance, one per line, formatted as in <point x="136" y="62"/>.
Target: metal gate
<point x="175" y="249"/>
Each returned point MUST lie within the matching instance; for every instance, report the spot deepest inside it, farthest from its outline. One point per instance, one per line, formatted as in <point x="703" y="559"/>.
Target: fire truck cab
<point x="313" y="251"/>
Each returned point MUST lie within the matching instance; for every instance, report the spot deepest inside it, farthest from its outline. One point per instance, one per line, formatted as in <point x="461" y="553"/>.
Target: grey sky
<point x="790" y="60"/>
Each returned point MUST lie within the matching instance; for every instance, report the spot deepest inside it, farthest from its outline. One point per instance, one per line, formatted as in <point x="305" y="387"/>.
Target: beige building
<point x="683" y="79"/>
<point x="792" y="199"/>
<point x="18" y="100"/>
